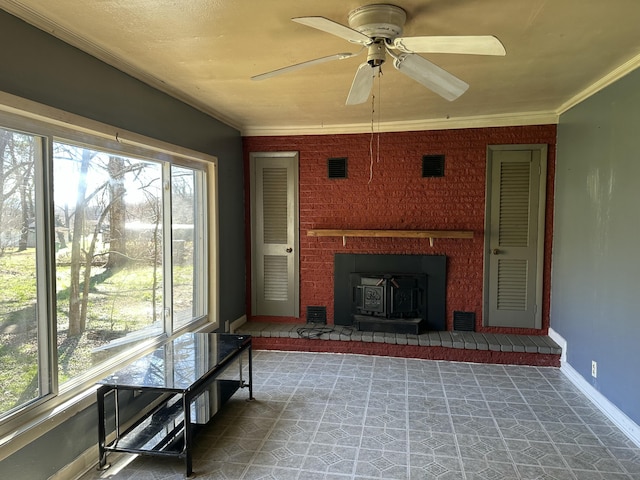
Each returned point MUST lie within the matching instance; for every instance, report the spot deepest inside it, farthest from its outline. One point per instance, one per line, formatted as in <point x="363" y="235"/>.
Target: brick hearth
<point x="474" y="347"/>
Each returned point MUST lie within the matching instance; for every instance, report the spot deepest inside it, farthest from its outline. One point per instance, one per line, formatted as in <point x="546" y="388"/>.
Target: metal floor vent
<point x="337" y="167"/>
<point x="316" y="314"/>
<point x="464" y="321"/>
<point x="432" y="166"/>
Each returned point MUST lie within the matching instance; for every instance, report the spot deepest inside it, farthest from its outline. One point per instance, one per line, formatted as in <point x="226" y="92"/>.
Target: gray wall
<point x="37" y="66"/>
<point x="595" y="290"/>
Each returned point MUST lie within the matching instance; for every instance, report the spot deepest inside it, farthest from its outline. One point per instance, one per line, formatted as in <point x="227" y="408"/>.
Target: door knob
<point x="495" y="251"/>
<point x="289" y="250"/>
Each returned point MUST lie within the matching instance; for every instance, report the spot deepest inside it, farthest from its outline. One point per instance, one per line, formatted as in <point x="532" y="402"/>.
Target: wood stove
<point x="389" y="302"/>
<point x="390" y="293"/>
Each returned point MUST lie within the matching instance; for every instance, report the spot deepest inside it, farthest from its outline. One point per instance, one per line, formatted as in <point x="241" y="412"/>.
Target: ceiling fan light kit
<point x="379" y="27"/>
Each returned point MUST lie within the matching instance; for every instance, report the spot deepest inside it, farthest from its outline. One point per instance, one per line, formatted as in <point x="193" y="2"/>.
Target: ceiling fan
<point x="378" y="28"/>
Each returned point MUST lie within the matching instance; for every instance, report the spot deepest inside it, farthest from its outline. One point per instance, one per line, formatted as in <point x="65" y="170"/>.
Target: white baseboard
<point x="88" y="461"/>
<point x="617" y="416"/>
<point x="562" y="343"/>
<point x="237" y="323"/>
<point x="81" y="465"/>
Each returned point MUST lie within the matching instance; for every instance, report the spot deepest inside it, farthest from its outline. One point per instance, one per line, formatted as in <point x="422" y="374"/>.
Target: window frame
<point x="48" y="124"/>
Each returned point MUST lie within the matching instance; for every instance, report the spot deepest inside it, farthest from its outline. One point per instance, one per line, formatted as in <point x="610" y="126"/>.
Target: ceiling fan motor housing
<point x="376" y="53"/>
<point x="378" y="21"/>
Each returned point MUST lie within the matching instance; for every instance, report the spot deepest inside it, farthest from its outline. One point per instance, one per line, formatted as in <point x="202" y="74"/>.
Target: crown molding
<point x="482" y="121"/>
<point x="604" y="82"/>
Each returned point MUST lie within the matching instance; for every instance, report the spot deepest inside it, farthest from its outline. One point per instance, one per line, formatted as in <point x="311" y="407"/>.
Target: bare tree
<point x="5" y="137"/>
<point x="17" y="162"/>
<point x="114" y="209"/>
<point x="89" y="254"/>
<point x="77" y="322"/>
<point x="117" y="213"/>
<point x="25" y="188"/>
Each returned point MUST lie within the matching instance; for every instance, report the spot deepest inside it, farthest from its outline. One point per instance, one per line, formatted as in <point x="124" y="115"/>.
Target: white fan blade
<point x="470" y="45"/>
<point x="298" y="66"/>
<point x="334" y="28"/>
<point x="362" y="84"/>
<point x="430" y="75"/>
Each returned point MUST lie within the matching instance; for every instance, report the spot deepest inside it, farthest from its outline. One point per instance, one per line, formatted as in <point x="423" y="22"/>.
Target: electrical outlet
<point x="594" y="369"/>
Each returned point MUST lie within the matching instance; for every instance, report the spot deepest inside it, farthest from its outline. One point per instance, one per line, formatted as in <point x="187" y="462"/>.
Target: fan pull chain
<point x="373" y="110"/>
<point x="379" y="109"/>
<point x="373" y="100"/>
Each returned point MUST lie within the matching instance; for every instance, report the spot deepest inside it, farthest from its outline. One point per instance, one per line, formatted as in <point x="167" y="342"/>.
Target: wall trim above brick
<point x="448" y="123"/>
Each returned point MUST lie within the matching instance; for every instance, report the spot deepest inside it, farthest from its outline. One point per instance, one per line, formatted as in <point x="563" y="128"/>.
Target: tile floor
<point x="345" y="417"/>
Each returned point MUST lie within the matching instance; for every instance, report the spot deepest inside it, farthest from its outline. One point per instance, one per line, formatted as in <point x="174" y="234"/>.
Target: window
<point x="20" y="378"/>
<point x="103" y="251"/>
<point x="108" y="255"/>
<point x="188" y="214"/>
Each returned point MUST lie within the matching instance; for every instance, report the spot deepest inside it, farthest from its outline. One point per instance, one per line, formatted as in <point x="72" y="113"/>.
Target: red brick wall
<point x="386" y="191"/>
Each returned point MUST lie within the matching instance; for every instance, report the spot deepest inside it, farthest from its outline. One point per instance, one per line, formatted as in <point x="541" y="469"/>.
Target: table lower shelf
<point x="161" y="432"/>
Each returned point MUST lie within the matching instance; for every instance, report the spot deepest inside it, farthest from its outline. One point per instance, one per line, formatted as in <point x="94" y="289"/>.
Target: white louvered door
<point x="515" y="236"/>
<point x="274" y="234"/>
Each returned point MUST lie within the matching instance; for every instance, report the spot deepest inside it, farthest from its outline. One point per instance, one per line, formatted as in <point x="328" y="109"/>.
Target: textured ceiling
<point x="205" y="51"/>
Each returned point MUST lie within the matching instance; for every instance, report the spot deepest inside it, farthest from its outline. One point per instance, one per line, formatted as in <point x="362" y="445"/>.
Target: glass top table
<point x="179" y="364"/>
<point x="187" y="369"/>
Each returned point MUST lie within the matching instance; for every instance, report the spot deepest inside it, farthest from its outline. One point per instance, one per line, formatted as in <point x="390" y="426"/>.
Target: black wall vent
<point x="433" y="166"/>
<point x="464" y="321"/>
<point x="316" y="314"/>
<point x="337" y="167"/>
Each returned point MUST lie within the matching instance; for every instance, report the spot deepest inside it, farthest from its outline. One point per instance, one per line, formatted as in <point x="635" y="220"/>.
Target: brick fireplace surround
<point x="387" y="191"/>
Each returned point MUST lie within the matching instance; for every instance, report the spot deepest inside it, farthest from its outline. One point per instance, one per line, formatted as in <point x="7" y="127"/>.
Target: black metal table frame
<point x="188" y="395"/>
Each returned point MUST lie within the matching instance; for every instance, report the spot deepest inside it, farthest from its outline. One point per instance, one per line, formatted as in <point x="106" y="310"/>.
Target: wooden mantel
<point x="430" y="234"/>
